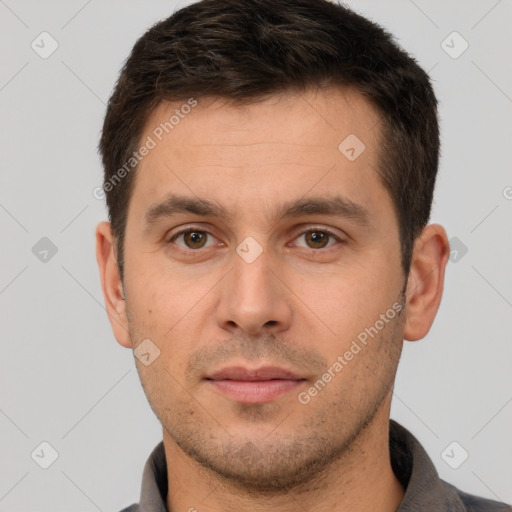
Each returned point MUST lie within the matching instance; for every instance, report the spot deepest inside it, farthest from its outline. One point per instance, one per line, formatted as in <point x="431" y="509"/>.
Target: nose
<point x="254" y="298"/>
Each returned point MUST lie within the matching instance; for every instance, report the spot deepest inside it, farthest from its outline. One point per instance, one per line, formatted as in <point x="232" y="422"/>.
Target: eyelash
<point x="310" y="230"/>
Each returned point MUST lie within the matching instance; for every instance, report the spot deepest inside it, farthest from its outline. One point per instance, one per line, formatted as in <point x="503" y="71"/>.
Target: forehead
<point x="315" y="120"/>
<point x="279" y="148"/>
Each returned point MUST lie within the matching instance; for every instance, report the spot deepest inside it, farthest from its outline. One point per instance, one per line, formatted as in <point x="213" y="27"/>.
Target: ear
<point x="426" y="279"/>
<point x="111" y="284"/>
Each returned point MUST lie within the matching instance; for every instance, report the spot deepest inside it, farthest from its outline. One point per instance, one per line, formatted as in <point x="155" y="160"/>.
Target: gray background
<point x="64" y="379"/>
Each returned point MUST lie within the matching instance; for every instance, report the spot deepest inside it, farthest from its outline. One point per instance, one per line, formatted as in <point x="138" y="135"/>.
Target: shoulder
<point x="132" y="508"/>
<point x="476" y="504"/>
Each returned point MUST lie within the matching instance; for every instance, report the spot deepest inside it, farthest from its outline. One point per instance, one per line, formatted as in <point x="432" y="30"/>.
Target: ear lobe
<point x="426" y="281"/>
<point x="111" y="284"/>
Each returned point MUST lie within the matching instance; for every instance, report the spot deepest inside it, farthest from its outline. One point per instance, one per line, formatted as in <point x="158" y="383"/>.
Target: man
<point x="269" y="172"/>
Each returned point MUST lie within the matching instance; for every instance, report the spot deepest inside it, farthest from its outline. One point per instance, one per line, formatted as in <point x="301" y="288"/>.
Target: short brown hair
<point x="247" y="50"/>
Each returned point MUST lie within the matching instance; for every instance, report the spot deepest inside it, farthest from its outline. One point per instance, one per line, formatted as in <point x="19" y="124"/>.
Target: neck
<point x="360" y="480"/>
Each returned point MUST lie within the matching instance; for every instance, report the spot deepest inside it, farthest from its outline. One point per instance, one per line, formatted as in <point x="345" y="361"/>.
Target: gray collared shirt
<point x="424" y="490"/>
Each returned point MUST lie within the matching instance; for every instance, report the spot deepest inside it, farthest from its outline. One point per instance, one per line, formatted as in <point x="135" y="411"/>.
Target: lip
<point x="258" y="385"/>
<point x="257" y="374"/>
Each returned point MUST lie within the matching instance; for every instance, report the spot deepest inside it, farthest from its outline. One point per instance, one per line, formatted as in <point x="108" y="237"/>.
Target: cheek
<point x="169" y="314"/>
<point x="158" y="298"/>
<point x="347" y="304"/>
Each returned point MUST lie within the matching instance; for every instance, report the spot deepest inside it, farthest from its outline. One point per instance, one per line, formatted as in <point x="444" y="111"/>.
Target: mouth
<point x="259" y="385"/>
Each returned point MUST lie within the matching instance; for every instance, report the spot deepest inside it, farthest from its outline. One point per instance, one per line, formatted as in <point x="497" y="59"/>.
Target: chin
<point x="266" y="468"/>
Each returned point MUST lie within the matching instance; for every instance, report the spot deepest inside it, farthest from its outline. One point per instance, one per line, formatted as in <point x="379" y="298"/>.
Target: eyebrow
<point x="337" y="206"/>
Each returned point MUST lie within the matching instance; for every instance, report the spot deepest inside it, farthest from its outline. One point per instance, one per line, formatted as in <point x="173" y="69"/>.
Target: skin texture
<point x="299" y="305"/>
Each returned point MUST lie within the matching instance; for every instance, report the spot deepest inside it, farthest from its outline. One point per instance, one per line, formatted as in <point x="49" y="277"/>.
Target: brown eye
<point x="194" y="239"/>
<point x="317" y="239"/>
<point x="191" y="239"/>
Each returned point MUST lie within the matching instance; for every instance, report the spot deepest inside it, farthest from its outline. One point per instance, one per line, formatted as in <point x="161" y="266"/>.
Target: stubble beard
<point x="273" y="463"/>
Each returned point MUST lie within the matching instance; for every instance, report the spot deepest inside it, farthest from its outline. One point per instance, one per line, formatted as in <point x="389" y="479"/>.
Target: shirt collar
<point x="424" y="490"/>
<point x="153" y="494"/>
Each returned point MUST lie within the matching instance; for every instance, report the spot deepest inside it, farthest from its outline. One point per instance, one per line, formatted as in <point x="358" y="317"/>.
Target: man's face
<point x="265" y="286"/>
